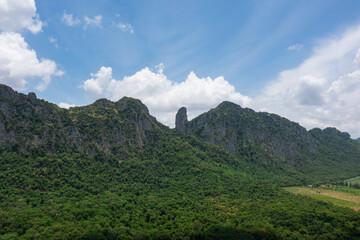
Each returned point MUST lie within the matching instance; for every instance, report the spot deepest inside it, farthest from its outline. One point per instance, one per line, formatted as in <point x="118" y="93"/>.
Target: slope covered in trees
<point x="111" y="171"/>
<point x="116" y="128"/>
<point x="279" y="145"/>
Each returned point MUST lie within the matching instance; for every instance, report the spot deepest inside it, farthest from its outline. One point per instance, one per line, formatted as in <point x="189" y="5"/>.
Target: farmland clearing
<point x="333" y="195"/>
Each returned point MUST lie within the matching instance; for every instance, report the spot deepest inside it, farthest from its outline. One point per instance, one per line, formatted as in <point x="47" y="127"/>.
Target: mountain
<point x="358" y="139"/>
<point x="275" y="143"/>
<point x="236" y="129"/>
<point x="117" y="128"/>
<point x="109" y="170"/>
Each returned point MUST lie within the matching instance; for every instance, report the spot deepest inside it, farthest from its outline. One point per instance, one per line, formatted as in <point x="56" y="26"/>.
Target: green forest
<point x="111" y="171"/>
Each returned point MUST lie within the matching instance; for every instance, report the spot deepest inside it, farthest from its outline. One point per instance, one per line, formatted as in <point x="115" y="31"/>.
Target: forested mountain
<point x="109" y="170"/>
<point x="116" y="128"/>
<point x="275" y="143"/>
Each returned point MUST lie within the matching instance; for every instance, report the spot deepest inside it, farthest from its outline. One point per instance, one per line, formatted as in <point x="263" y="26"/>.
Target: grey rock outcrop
<point x="8" y="92"/>
<point x="181" y="121"/>
<point x="239" y="130"/>
<point x="118" y="128"/>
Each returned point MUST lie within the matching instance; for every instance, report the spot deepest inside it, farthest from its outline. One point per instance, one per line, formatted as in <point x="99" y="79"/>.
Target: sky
<point x="298" y="59"/>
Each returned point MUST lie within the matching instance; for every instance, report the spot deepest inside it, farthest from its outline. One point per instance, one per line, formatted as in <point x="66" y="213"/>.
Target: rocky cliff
<point x="31" y="124"/>
<point x="239" y="129"/>
<point x="275" y="142"/>
<point x="181" y="121"/>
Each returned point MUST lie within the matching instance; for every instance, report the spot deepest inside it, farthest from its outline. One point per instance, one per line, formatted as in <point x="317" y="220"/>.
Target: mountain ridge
<point x="31" y="122"/>
<point x="276" y="143"/>
<point x="109" y="170"/>
<point x="125" y="127"/>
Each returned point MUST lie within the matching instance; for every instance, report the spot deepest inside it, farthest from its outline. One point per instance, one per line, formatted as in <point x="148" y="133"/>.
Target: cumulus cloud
<point x="66" y="105"/>
<point x="310" y="91"/>
<point x="322" y="91"/>
<point x="297" y="47"/>
<point x="125" y="27"/>
<point x="95" y="22"/>
<point x="357" y="58"/>
<point x="16" y="15"/>
<point x="18" y="62"/>
<point x="69" y="20"/>
<point x="163" y="96"/>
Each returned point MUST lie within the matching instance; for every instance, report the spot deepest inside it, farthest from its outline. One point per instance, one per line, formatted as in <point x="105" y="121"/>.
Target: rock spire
<point x="181" y="121"/>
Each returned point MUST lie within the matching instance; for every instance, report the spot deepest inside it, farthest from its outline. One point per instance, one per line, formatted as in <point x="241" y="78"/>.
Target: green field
<point x="355" y="179"/>
<point x="352" y="191"/>
<point x="340" y="196"/>
<point x="353" y="182"/>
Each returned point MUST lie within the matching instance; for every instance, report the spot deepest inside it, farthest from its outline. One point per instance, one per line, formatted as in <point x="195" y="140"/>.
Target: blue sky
<point x="189" y="53"/>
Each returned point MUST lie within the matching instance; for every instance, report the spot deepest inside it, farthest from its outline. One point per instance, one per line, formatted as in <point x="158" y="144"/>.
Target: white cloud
<point x="66" y="105"/>
<point x="357" y="58"/>
<point x="16" y="15"/>
<point x="322" y="91"/>
<point x="163" y="96"/>
<point x="96" y="21"/>
<point x="310" y="91"/>
<point x="297" y="47"/>
<point x="125" y="27"/>
<point x="54" y="41"/>
<point x="69" y="20"/>
<point x="18" y="63"/>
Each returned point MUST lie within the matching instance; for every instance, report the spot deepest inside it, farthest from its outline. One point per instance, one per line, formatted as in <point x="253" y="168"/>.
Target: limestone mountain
<point x="274" y="142"/>
<point x="181" y="121"/>
<point x="109" y="170"/>
<point x="236" y="128"/>
<point x="125" y="127"/>
<point x="31" y="124"/>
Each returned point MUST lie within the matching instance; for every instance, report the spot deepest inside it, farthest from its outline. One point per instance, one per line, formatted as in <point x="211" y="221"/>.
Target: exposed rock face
<point x="111" y="127"/>
<point x="239" y="130"/>
<point x="6" y="91"/>
<point x="181" y="122"/>
<point x="32" y="95"/>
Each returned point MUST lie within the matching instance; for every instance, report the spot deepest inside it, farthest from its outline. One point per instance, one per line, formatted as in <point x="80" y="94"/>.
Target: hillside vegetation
<point x="109" y="170"/>
<point x="278" y="145"/>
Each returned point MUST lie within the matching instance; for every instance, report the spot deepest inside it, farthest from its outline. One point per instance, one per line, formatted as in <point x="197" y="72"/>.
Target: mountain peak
<point x="125" y="98"/>
<point x="102" y="102"/>
<point x="227" y="104"/>
<point x="238" y="129"/>
<point x="124" y="102"/>
<point x="181" y="121"/>
<point x="32" y="95"/>
<point x="7" y="91"/>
